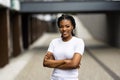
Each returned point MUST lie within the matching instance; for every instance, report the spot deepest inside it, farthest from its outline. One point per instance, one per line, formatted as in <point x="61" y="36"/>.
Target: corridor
<point x="99" y="62"/>
<point x="27" y="27"/>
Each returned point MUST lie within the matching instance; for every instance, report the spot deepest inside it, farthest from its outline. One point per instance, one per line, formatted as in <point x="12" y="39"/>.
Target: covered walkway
<point x="99" y="62"/>
<point x="24" y="39"/>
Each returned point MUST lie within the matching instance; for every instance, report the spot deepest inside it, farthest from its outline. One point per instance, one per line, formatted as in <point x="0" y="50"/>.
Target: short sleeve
<point x="79" y="47"/>
<point x="51" y="47"/>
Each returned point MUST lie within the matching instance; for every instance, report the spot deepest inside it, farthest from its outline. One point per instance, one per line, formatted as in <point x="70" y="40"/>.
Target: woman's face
<point x="65" y="28"/>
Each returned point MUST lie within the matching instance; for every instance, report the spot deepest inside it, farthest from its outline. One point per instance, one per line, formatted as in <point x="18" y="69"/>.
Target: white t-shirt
<point x="65" y="50"/>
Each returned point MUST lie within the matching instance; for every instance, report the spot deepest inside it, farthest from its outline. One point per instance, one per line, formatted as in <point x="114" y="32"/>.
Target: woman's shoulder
<point x="55" y="40"/>
<point x="78" y="39"/>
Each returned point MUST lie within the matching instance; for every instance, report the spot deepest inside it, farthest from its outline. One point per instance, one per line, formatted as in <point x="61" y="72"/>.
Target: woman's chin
<point x="64" y="36"/>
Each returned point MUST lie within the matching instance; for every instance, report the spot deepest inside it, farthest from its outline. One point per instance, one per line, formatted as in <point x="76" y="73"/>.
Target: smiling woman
<point x="64" y="54"/>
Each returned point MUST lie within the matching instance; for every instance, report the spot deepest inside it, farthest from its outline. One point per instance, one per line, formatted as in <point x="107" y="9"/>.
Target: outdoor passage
<point x="59" y="40"/>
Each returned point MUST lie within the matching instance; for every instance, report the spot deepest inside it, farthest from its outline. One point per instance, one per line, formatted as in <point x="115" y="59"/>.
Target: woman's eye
<point x="67" y="26"/>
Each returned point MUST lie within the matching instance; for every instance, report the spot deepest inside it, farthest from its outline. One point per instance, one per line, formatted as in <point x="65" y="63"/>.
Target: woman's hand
<point x="68" y="61"/>
<point x="49" y="61"/>
<point x="73" y="63"/>
<point x="49" y="56"/>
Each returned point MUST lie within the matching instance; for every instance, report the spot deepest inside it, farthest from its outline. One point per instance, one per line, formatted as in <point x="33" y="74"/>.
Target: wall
<point x="104" y="27"/>
<point x="96" y="24"/>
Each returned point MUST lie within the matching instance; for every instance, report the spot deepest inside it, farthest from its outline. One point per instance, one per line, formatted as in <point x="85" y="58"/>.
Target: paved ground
<point x="99" y="62"/>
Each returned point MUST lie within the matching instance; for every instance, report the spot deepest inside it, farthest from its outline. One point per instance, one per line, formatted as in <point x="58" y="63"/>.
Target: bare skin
<point x="73" y="63"/>
<point x="49" y="60"/>
<point x="66" y="29"/>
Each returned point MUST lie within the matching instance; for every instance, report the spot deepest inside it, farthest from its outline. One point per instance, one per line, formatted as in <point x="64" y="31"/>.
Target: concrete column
<point x="4" y="37"/>
<point x="113" y="27"/>
<point x="25" y="30"/>
<point x="33" y="27"/>
<point x="17" y="37"/>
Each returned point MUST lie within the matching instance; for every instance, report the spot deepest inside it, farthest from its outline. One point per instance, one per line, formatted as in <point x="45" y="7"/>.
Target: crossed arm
<point x="73" y="63"/>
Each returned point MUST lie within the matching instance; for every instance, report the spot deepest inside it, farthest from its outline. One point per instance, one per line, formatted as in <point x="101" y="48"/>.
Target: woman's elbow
<point x="74" y="66"/>
<point x="44" y="64"/>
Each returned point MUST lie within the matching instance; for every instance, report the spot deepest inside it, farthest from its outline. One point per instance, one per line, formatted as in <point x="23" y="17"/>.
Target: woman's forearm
<point x="63" y="64"/>
<point x="72" y="63"/>
<point x="69" y="65"/>
<point x="53" y="63"/>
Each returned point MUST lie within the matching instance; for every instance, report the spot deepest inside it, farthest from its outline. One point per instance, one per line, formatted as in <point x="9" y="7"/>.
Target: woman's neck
<point x="66" y="38"/>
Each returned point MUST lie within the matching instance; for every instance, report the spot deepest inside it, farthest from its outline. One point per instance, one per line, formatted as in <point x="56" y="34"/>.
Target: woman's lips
<point x="64" y="33"/>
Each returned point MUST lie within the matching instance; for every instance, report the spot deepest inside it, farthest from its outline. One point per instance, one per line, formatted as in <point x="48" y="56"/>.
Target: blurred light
<point x="47" y="17"/>
<point x="41" y="17"/>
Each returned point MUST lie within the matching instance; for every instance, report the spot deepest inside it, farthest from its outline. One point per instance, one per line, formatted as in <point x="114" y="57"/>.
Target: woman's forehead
<point x="65" y="20"/>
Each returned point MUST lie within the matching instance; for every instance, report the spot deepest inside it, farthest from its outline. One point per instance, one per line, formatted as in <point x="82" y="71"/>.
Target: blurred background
<point x="28" y="26"/>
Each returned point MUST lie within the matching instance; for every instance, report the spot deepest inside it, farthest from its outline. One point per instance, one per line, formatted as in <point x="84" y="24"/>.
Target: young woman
<point x="64" y="54"/>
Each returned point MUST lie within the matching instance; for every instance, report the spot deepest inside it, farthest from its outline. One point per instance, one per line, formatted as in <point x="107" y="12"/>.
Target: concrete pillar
<point x="16" y="32"/>
<point x="4" y="37"/>
<point x="113" y="27"/>
<point x="25" y="30"/>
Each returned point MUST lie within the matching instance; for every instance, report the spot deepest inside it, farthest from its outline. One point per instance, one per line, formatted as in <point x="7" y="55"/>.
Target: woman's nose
<point x="64" y="28"/>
